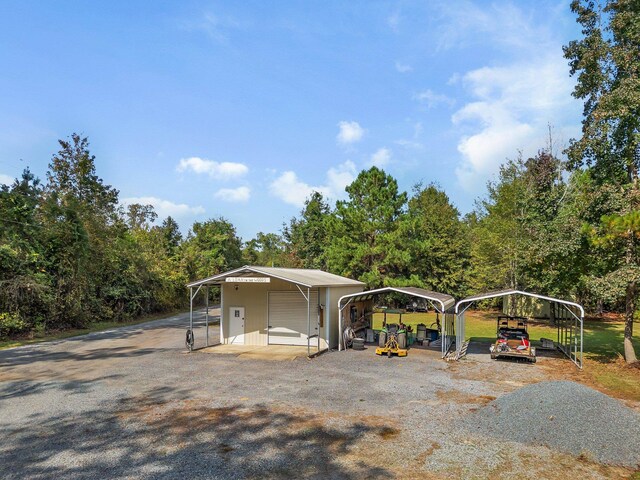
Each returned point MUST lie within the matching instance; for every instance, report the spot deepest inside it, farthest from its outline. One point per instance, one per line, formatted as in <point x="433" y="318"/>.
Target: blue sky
<point x="240" y="109"/>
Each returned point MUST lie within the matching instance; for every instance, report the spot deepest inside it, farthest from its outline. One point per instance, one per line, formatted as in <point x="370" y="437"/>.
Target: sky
<point x="240" y="110"/>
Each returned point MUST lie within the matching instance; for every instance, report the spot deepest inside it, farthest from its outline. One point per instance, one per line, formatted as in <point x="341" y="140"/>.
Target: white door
<point x="288" y="324"/>
<point x="236" y="325"/>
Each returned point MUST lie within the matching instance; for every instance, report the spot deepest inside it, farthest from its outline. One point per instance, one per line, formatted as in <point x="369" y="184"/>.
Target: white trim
<point x="327" y="316"/>
<point x="222" y="315"/>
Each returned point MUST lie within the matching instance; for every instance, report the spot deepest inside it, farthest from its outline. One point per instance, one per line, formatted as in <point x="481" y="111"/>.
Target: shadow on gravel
<point x="22" y="389"/>
<point x="150" y="438"/>
<point x="23" y="357"/>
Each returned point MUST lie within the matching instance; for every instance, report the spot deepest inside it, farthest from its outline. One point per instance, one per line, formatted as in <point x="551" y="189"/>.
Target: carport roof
<point x="445" y="301"/>
<point x="511" y="291"/>
<point x="301" y="276"/>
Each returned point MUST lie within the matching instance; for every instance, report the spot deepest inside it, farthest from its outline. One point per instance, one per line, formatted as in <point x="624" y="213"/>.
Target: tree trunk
<point x="630" y="304"/>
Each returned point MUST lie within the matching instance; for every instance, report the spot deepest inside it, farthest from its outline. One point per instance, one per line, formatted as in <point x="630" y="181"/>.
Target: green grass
<point x="602" y="337"/>
<point x="94" y="327"/>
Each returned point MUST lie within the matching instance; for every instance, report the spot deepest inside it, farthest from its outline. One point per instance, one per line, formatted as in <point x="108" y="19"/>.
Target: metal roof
<point x="446" y="301"/>
<point x="301" y="276"/>
<point x="511" y="291"/>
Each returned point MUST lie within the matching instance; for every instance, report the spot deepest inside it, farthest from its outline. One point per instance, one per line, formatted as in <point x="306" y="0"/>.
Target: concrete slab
<point x="268" y="352"/>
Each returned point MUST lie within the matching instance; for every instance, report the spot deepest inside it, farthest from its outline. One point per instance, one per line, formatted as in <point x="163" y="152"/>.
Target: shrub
<point x="11" y="324"/>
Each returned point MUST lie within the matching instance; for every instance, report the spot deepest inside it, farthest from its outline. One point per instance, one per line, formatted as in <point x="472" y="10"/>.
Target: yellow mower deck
<point x="401" y="352"/>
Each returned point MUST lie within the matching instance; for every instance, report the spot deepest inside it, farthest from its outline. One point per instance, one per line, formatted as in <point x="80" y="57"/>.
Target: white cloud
<point x="218" y="170"/>
<point x="393" y="21"/>
<point x="240" y="194"/>
<point x="453" y="79"/>
<point x="403" y="67"/>
<point x="432" y="99"/>
<point x="409" y="144"/>
<point x="350" y="132"/>
<point x="6" y="179"/>
<point x="381" y="158"/>
<point x="164" y="208"/>
<point x="512" y="108"/>
<point x="290" y="189"/>
<point x="500" y="24"/>
<point x="413" y="143"/>
<point x="338" y="178"/>
<point x="216" y="27"/>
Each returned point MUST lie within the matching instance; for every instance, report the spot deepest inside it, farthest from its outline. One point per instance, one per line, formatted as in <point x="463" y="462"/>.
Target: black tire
<point x="189" y="340"/>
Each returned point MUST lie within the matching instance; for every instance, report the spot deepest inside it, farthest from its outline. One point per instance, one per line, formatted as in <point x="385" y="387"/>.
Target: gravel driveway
<point x="130" y="403"/>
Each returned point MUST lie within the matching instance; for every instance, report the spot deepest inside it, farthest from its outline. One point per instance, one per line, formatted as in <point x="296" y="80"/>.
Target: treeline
<point x="70" y="254"/>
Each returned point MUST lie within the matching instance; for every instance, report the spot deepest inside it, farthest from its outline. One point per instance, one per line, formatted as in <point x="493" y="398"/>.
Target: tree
<point x="436" y="241"/>
<point x="72" y="176"/>
<point x="140" y="216"/>
<point x="363" y="229"/>
<point x="171" y="232"/>
<point x="306" y="237"/>
<point x="608" y="69"/>
<point x="212" y="247"/>
<point x="267" y="249"/>
<point x="24" y="283"/>
<point x="497" y="249"/>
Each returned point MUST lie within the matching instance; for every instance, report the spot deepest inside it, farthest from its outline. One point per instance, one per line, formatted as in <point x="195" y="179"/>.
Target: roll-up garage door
<point x="288" y="317"/>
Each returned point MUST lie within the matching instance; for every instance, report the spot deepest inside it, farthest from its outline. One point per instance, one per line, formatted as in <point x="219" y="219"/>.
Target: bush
<point x="11" y="324"/>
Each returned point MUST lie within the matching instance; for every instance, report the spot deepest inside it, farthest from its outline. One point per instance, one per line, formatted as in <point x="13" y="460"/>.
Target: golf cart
<point x="512" y="339"/>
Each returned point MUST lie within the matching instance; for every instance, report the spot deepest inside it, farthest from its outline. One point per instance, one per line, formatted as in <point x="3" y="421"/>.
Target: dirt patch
<point x="387" y="433"/>
<point x="458" y="396"/>
<point x="616" y="379"/>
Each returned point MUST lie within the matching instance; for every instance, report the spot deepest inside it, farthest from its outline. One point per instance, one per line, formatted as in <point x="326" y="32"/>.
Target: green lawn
<point x="604" y="367"/>
<point x="602" y="337"/>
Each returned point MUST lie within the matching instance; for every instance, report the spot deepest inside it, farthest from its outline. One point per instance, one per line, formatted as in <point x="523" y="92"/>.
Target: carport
<point x="568" y="318"/>
<point x="440" y="302"/>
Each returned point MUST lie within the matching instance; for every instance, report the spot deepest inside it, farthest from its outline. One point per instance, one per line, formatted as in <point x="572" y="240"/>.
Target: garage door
<point x="288" y="317"/>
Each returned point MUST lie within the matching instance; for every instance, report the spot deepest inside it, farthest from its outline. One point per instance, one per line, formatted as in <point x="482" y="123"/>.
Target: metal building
<point x="278" y="306"/>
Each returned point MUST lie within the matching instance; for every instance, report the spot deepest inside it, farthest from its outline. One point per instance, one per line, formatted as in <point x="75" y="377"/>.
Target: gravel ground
<point x="567" y="416"/>
<point x="131" y="403"/>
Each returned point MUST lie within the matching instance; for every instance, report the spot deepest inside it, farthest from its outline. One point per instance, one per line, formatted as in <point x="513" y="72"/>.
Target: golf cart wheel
<point x="493" y="356"/>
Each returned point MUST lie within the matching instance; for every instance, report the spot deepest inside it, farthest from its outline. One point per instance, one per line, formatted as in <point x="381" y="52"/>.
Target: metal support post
<point x="206" y="313"/>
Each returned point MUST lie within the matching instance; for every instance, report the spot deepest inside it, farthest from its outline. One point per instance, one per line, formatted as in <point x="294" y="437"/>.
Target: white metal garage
<point x="273" y="305"/>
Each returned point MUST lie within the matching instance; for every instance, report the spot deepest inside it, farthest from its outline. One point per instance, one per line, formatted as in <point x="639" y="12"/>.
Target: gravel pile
<point x="565" y="416"/>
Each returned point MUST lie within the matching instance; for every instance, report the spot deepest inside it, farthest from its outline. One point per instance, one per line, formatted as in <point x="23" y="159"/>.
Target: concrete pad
<point x="257" y="352"/>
